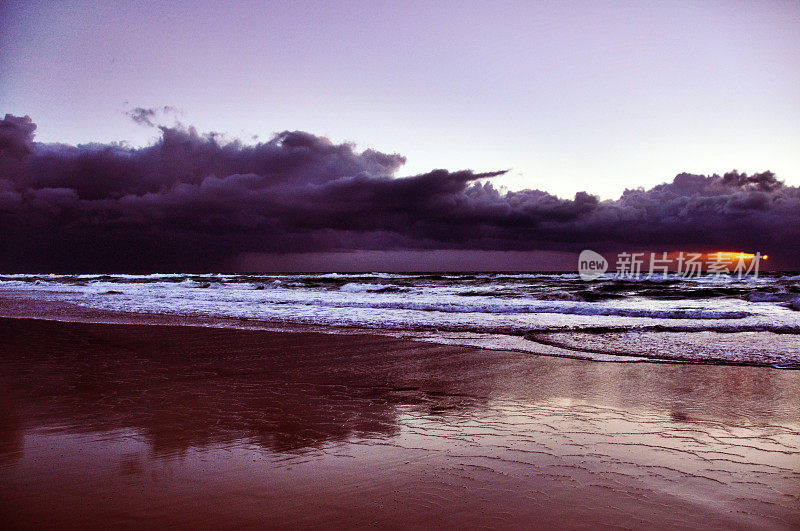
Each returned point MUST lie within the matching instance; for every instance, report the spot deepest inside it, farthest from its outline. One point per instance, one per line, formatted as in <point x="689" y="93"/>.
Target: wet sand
<point x="131" y="425"/>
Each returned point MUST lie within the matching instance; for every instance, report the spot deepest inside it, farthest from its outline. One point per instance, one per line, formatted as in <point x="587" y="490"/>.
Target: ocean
<point x="709" y="319"/>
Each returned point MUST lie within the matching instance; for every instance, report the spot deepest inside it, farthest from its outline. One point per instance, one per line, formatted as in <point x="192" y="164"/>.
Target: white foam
<point x="502" y="307"/>
<point x="358" y="287"/>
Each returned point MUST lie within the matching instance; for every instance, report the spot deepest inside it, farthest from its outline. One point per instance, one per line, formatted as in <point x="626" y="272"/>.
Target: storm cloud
<point x="194" y="202"/>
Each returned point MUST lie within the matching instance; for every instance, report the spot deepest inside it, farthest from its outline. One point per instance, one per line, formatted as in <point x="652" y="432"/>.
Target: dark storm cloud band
<point x="192" y="202"/>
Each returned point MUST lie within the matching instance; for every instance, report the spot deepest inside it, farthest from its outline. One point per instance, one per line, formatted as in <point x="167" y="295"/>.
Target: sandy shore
<point x="138" y="425"/>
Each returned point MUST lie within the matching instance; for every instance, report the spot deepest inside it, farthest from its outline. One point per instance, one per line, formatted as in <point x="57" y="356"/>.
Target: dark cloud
<point x="193" y="202"/>
<point x="149" y="116"/>
<point x="16" y="136"/>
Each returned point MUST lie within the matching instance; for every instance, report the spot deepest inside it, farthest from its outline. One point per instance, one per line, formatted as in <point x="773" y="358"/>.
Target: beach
<point x="134" y="425"/>
<point x="399" y="265"/>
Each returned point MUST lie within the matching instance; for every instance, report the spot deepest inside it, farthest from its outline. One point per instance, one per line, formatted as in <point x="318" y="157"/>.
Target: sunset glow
<point x="732" y="255"/>
<point x="722" y="256"/>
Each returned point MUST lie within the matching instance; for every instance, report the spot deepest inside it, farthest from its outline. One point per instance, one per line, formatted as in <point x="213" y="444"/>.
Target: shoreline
<point x="538" y="343"/>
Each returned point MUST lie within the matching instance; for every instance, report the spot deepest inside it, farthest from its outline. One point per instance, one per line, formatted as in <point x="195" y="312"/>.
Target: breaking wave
<point x="482" y="309"/>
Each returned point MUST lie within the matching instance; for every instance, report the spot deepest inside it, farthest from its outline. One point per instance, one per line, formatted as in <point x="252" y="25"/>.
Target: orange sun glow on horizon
<point x="737" y="255"/>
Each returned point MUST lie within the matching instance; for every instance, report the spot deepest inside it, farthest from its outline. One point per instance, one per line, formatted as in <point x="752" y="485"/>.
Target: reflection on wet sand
<point x="136" y="424"/>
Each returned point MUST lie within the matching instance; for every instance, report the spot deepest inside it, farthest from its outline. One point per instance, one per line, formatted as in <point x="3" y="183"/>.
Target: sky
<point x="214" y="136"/>
<point x="568" y="96"/>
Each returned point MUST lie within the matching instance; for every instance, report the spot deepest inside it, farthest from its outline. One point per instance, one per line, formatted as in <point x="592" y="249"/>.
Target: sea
<point x="666" y="318"/>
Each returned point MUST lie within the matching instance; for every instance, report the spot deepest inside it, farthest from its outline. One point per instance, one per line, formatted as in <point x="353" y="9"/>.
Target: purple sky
<point x="595" y="96"/>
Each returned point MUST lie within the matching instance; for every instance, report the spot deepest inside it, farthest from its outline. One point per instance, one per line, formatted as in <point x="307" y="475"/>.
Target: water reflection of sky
<point x="154" y="422"/>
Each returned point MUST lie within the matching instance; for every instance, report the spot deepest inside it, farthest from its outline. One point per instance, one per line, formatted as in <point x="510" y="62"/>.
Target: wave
<point x="764" y="296"/>
<point x="508" y="307"/>
<point x="357" y="287"/>
<point x="512" y="309"/>
<point x="711" y="326"/>
<point x="700" y="347"/>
